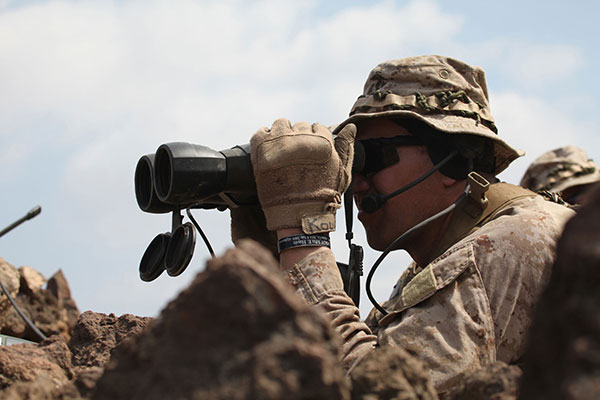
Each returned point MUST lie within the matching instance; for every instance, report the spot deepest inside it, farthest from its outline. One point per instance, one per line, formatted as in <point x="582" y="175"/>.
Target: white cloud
<point x="530" y="64"/>
<point x="544" y="63"/>
<point x="535" y="125"/>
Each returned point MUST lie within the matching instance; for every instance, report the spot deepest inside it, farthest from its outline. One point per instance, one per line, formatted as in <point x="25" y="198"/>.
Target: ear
<point x="447" y="181"/>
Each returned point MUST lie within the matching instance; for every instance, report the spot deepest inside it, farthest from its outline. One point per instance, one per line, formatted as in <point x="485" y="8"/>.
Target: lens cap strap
<point x="291" y="242"/>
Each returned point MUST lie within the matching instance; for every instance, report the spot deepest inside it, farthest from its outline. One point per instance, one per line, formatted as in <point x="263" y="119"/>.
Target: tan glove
<point x="249" y="222"/>
<point x="301" y="173"/>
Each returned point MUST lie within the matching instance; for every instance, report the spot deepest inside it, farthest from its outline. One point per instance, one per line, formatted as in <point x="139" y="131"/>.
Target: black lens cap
<point x="153" y="260"/>
<point x="180" y="249"/>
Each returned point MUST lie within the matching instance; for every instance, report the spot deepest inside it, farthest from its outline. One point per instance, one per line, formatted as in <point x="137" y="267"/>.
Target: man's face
<point x="407" y="209"/>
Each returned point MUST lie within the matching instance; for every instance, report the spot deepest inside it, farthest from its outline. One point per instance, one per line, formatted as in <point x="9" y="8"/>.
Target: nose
<point x="360" y="184"/>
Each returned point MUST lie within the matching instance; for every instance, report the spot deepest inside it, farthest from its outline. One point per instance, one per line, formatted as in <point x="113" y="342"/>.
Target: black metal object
<point x="32" y="213"/>
<point x="35" y="211"/>
<point x="352" y="272"/>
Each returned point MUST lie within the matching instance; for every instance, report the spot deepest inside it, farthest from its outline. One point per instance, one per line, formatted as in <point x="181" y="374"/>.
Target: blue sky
<point x="87" y="87"/>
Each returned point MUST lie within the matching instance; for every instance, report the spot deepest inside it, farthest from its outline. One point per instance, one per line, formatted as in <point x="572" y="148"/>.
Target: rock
<point x="26" y="362"/>
<point x="86" y="378"/>
<point x="52" y="311"/>
<point x="53" y="370"/>
<point x="31" y="280"/>
<point x="563" y="362"/>
<point x="42" y="388"/>
<point x="495" y="381"/>
<point x="237" y="332"/>
<point x="58" y="286"/>
<point x="9" y="276"/>
<point x="95" y="335"/>
<point x="391" y="373"/>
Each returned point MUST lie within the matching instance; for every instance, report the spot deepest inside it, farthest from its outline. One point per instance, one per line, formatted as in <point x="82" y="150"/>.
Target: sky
<point x="88" y="87"/>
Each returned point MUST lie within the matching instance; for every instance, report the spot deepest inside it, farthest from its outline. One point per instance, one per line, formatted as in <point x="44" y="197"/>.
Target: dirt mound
<point x="54" y="369"/>
<point x="96" y="334"/>
<point x="238" y="332"/>
<point x="26" y="362"/>
<point x="563" y="362"/>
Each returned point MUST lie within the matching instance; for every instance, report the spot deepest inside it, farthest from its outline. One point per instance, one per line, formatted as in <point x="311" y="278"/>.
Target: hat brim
<point x="577" y="181"/>
<point x="452" y="124"/>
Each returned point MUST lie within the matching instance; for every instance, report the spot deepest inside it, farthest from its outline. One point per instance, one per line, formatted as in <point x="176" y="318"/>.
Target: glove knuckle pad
<point x="301" y="149"/>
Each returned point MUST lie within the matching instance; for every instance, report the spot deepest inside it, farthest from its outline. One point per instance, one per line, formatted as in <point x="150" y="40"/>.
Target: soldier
<point x="567" y="171"/>
<point x="482" y="249"/>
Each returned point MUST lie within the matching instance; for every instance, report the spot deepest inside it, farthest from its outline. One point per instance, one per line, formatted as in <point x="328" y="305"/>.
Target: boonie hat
<point x="445" y="93"/>
<point x="560" y="169"/>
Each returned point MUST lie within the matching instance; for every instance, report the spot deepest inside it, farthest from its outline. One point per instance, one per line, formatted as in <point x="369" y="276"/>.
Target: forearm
<point x="289" y="257"/>
<point x="315" y="275"/>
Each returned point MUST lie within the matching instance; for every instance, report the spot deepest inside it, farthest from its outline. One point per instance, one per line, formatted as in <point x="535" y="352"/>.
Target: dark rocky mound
<point x="563" y="357"/>
<point x="238" y="332"/>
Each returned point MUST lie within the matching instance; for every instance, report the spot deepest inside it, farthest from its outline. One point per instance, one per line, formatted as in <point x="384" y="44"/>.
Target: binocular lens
<point x="144" y="187"/>
<point x="143" y="182"/>
<point x="180" y="249"/>
<point x="153" y="260"/>
<point x="164" y="172"/>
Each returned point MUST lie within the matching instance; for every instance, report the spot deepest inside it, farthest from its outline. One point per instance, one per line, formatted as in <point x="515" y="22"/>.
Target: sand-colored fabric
<point x="248" y="222"/>
<point x="301" y="173"/>
<point x="467" y="308"/>
<point x="443" y="92"/>
<point x="560" y="169"/>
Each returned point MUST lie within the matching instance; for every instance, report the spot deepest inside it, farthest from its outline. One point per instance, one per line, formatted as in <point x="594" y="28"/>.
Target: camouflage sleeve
<point x="317" y="279"/>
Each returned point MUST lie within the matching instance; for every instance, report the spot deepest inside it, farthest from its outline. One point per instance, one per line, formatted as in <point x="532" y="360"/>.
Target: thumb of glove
<point x="344" y="146"/>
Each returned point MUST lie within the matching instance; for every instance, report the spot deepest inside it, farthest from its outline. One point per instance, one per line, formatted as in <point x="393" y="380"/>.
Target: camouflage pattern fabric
<point x="445" y="93"/>
<point x="469" y="307"/>
<point x="560" y="169"/>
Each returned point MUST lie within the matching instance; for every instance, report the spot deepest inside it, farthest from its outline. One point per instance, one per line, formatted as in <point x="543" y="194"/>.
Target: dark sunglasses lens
<point x="378" y="156"/>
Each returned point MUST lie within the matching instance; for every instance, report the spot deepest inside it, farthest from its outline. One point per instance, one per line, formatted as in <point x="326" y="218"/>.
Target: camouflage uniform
<point x="473" y="303"/>
<point x="560" y="169"/>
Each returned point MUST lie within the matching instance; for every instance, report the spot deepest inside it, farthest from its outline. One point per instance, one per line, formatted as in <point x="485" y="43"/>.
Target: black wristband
<point x="302" y="241"/>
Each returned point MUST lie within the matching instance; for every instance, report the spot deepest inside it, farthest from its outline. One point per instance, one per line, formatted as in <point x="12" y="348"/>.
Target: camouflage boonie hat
<point x="560" y="169"/>
<point x="445" y="93"/>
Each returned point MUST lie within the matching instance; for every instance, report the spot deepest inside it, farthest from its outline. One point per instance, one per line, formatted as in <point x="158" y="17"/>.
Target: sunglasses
<point x="377" y="154"/>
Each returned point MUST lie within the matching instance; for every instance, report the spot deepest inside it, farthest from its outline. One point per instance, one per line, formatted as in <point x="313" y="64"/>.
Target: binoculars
<point x="184" y="175"/>
<point x="181" y="175"/>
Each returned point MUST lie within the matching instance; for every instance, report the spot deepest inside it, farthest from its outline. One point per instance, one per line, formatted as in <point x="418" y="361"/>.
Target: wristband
<point x="302" y="241"/>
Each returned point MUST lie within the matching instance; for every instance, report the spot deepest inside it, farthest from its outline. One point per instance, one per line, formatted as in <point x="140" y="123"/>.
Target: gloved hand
<point x="249" y="222"/>
<point x="301" y="173"/>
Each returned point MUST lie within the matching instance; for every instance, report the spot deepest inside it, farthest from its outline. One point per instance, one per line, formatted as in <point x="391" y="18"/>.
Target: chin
<point x="376" y="243"/>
